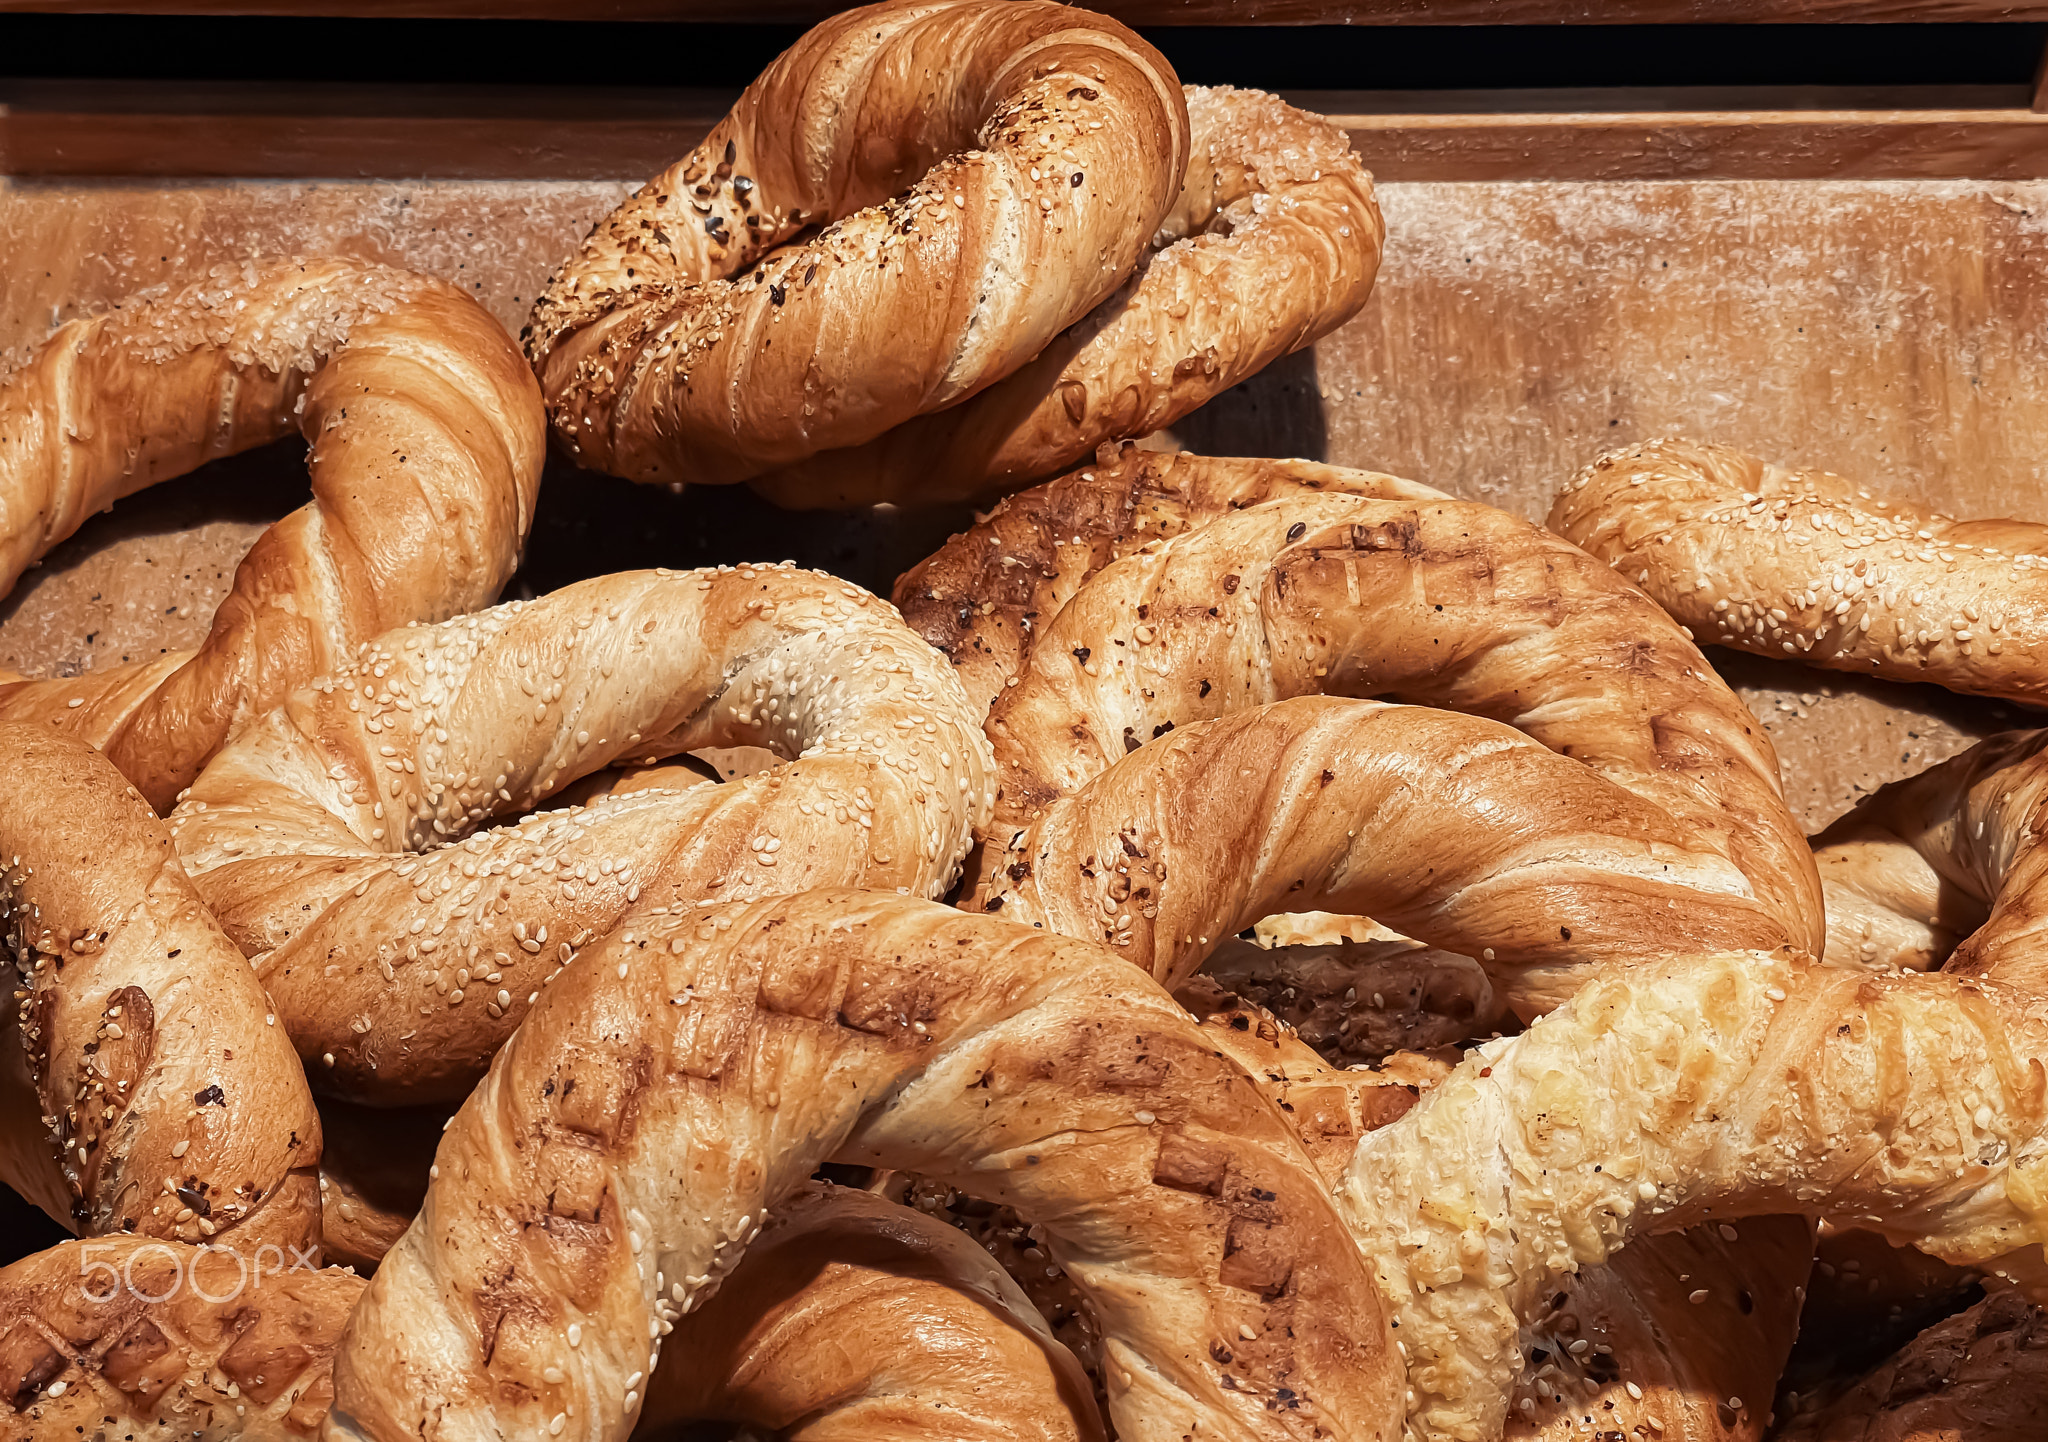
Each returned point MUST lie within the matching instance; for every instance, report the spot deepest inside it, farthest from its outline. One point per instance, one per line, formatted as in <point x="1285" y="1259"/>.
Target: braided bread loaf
<point x="326" y="836"/>
<point x="427" y="440"/>
<point x="1807" y="565"/>
<point x="1273" y="244"/>
<point x="159" y="1097"/>
<point x="985" y="173"/>
<point x="695" y="1068"/>
<point x="1703" y="1089"/>
<point x="152" y="1341"/>
<point x="1354" y="991"/>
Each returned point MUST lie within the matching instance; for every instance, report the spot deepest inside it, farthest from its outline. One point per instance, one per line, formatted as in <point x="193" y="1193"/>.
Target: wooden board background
<point x="70" y="129"/>
<point x="1892" y="330"/>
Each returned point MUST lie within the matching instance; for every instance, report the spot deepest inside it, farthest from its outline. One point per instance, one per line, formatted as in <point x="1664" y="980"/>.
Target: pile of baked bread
<point x="1239" y="949"/>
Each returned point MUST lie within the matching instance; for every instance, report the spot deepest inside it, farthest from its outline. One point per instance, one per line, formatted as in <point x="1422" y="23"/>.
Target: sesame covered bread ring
<point x="1630" y="1343"/>
<point x="348" y="840"/>
<point x="160" y="1097"/>
<point x="143" y="1340"/>
<point x="1695" y="1090"/>
<point x="692" y="1070"/>
<point x="1273" y="244"/>
<point x="427" y="439"/>
<point x="1808" y="566"/>
<point x="1422" y="599"/>
<point x="986" y="596"/>
<point x="985" y="172"/>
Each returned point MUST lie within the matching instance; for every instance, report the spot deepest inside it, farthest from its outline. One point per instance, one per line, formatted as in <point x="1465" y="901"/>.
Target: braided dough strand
<point x="1806" y="565"/>
<point x="339" y="838"/>
<point x="1703" y="1089"/>
<point x="986" y="172"/>
<point x="614" y="1163"/>
<point x="427" y="440"/>
<point x="1273" y="243"/>
<point x="170" y="1103"/>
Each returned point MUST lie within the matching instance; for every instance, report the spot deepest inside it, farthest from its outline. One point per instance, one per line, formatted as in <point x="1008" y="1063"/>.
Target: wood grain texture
<point x="251" y="130"/>
<point x="344" y="131"/>
<point x="1134" y="12"/>
<point x="1895" y="331"/>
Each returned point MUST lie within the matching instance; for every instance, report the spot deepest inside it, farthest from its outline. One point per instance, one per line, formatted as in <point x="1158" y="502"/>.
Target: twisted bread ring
<point x="1458" y="830"/>
<point x="986" y="596"/>
<point x="427" y="440"/>
<point x="1420" y="598"/>
<point x="986" y="172"/>
<point x="154" y="1341"/>
<point x="1806" y="565"/>
<point x="780" y="1346"/>
<point x="325" y="837"/>
<point x="687" y="1074"/>
<point x="177" y="1342"/>
<point x="1703" y="1089"/>
<point x="1629" y="1337"/>
<point x="1953" y="853"/>
<point x="170" y="1105"/>
<point x="1273" y="244"/>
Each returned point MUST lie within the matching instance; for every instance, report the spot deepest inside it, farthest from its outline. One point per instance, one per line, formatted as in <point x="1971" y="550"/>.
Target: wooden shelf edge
<point x="492" y="133"/>
<point x="1135" y="12"/>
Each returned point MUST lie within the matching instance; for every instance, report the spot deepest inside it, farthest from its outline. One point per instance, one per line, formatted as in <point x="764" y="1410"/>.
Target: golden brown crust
<point x="1414" y="597"/>
<point x="1273" y="243"/>
<point x="1616" y="1347"/>
<point x="427" y="441"/>
<point x="1649" y="1356"/>
<point x="1806" y="565"/>
<point x="855" y="1318"/>
<point x="152" y="1341"/>
<point x="1979" y="1376"/>
<point x="987" y="595"/>
<point x="696" y="1068"/>
<point x="1946" y="856"/>
<point x="1701" y="1089"/>
<point x="986" y="173"/>
<point x="346" y="839"/>
<point x="171" y="1103"/>
<point x="1454" y="829"/>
